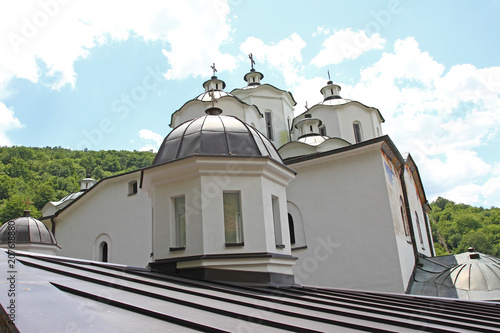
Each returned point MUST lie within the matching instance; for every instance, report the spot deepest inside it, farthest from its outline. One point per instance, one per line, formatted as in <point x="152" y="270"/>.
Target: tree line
<point x="456" y="227"/>
<point x="50" y="173"/>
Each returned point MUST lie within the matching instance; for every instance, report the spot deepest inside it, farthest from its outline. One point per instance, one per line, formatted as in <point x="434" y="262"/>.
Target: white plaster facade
<point x="106" y="213"/>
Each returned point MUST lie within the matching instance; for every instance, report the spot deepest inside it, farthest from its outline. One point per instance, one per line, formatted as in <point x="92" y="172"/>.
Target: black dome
<point x="27" y="230"/>
<point x="211" y="135"/>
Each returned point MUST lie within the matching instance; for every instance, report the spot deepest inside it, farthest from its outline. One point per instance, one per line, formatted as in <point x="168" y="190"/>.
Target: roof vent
<point x="473" y="254"/>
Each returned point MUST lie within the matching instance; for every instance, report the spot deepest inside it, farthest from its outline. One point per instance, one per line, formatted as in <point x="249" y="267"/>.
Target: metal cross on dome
<point x="27" y="202"/>
<point x="252" y="62"/>
<point x="328" y="71"/>
<point x="213" y="68"/>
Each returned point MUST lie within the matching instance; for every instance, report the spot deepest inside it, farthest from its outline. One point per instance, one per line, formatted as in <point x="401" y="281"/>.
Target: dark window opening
<point x="322" y="130"/>
<point x="132" y="187"/>
<point x="310" y="129"/>
<point x="292" y="229"/>
<point x="104" y="252"/>
<point x="269" y="125"/>
<point x="357" y="132"/>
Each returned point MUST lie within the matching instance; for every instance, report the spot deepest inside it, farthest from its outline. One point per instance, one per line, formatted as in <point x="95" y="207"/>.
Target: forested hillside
<point x="455" y="227"/>
<point x="48" y="174"/>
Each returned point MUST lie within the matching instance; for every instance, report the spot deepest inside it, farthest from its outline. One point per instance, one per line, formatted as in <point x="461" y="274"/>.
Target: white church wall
<point x="268" y="98"/>
<point x="418" y="215"/>
<point x="348" y="223"/>
<point x="108" y="209"/>
<point x="338" y="121"/>
<point x="164" y="216"/>
<point x="203" y="181"/>
<point x="397" y="201"/>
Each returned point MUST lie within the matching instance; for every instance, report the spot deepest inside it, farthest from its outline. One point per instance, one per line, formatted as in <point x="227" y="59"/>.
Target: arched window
<point x="358" y="137"/>
<point x="403" y="217"/>
<point x="103" y="252"/>
<point x="322" y="130"/>
<point x="269" y="125"/>
<point x="291" y="227"/>
<point x="419" y="229"/>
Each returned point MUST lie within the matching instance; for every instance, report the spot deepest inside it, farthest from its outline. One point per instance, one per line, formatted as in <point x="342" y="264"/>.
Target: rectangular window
<point x="322" y="130"/>
<point x="233" y="228"/>
<point x="357" y="132"/>
<point x="277" y="222"/>
<point x="180" y="222"/>
<point x="132" y="187"/>
<point x="269" y="125"/>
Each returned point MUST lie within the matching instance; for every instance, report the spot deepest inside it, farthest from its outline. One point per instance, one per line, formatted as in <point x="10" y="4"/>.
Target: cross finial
<point x="27" y="202"/>
<point x="307" y="108"/>
<point x="328" y="75"/>
<point x="213" y="69"/>
<point x="252" y="62"/>
<point x="89" y="172"/>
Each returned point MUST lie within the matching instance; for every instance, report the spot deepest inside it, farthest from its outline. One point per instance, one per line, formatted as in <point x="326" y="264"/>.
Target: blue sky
<point x="108" y="74"/>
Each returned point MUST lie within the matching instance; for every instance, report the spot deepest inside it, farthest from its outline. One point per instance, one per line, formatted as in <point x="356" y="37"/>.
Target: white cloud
<point x="321" y="31"/>
<point x="346" y="44"/>
<point x="151" y="140"/>
<point x="440" y="117"/>
<point x="57" y="33"/>
<point x="286" y="55"/>
<point x="7" y="122"/>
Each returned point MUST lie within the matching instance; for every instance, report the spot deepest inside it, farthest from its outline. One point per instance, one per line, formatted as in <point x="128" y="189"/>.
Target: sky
<point x="107" y="75"/>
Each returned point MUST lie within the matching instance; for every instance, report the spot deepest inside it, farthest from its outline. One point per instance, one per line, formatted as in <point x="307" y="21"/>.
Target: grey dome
<point x="474" y="271"/>
<point x="27" y="230"/>
<point x="211" y="135"/>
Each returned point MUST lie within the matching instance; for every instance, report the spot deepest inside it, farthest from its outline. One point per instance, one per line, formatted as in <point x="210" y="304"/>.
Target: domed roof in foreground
<point x="26" y="230"/>
<point x="475" y="271"/>
<point x="214" y="135"/>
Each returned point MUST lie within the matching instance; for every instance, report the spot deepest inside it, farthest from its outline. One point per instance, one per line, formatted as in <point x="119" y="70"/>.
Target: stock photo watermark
<point x="32" y="25"/>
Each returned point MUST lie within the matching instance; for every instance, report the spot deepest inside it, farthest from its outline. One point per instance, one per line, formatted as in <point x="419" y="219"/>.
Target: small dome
<point x="474" y="272"/>
<point x="214" y="134"/>
<point x="313" y="140"/>
<point x="26" y="230"/>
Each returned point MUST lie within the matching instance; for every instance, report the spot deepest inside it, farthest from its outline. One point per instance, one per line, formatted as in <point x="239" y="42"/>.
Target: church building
<point x="243" y="191"/>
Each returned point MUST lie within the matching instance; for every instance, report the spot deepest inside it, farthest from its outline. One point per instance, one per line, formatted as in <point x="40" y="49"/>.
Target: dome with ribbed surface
<point x="475" y="272"/>
<point x="214" y="135"/>
<point x="26" y="230"/>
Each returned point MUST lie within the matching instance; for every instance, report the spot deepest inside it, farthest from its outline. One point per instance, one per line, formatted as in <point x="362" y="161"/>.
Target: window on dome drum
<point x="233" y="228"/>
<point x="132" y="187"/>
<point x="278" y="237"/>
<point x="269" y="125"/>
<point x="357" y="132"/>
<point x="291" y="227"/>
<point x="180" y="222"/>
<point x="421" y="239"/>
<point x="322" y="130"/>
<point x="103" y="252"/>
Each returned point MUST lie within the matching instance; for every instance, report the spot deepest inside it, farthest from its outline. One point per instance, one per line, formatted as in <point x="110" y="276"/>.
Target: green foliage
<point x="456" y="227"/>
<point x="48" y="174"/>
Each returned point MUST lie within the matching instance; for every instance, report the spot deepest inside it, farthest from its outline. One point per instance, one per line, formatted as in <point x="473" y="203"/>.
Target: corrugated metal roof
<point x="56" y="293"/>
